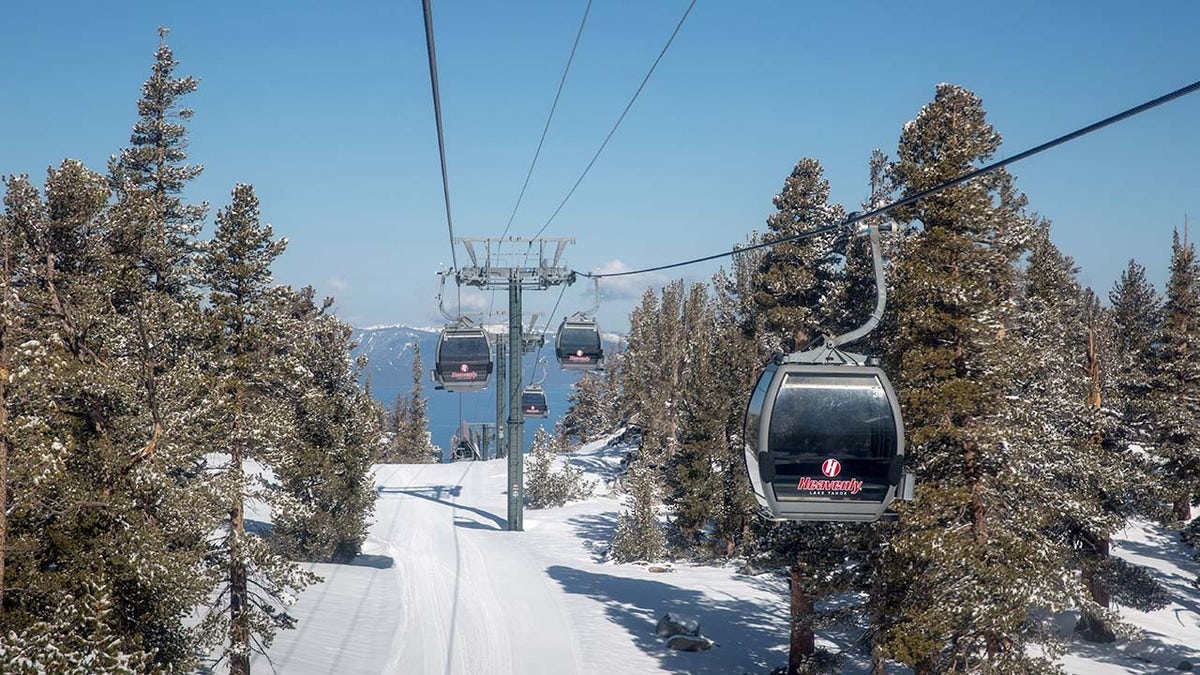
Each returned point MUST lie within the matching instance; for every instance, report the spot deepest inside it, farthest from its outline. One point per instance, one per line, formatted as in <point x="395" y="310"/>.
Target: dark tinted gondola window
<point x="587" y="339"/>
<point x="466" y="348"/>
<point x="533" y="400"/>
<point x="832" y="416"/>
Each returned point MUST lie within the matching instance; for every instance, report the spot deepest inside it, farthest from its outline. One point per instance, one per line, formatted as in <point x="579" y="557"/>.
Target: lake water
<point x="446" y="409"/>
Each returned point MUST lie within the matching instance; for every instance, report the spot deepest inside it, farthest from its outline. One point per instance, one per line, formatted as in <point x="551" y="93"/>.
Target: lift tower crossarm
<point x="499" y="268"/>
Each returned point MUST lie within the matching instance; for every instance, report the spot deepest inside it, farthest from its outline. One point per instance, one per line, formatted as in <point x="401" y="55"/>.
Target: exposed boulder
<point x="690" y="643"/>
<point x="677" y="624"/>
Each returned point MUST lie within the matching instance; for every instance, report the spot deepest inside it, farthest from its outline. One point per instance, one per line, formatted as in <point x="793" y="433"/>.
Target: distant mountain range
<point x="390" y="349"/>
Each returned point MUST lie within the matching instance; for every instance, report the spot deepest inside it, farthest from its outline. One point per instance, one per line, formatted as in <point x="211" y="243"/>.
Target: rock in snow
<point x="677" y="624"/>
<point x="690" y="643"/>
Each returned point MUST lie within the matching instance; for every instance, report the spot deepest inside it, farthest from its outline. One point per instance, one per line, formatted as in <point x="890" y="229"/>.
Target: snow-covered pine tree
<point x="546" y="486"/>
<point x="738" y="359"/>
<point x="797" y="281"/>
<point x="21" y="203"/>
<point x="154" y="351"/>
<point x="639" y="536"/>
<point x="153" y="228"/>
<point x="592" y="404"/>
<point x="797" y="295"/>
<point x="650" y="373"/>
<point x="1175" y="380"/>
<point x="78" y="638"/>
<point x="692" y="476"/>
<point x="971" y="559"/>
<point x="1137" y="318"/>
<point x="114" y="513"/>
<point x="248" y="422"/>
<point x="327" y="489"/>
<point x="393" y="419"/>
<point x="413" y="442"/>
<point x="706" y="486"/>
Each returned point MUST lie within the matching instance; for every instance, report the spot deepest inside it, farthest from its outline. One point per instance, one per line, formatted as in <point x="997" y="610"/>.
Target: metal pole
<point x="516" y="421"/>
<point x="501" y="393"/>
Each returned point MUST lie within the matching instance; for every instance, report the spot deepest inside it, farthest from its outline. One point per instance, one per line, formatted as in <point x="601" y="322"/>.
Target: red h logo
<point x="831" y="467"/>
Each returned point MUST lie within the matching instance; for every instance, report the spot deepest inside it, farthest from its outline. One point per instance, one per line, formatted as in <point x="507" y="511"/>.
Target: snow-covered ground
<point x="442" y="587"/>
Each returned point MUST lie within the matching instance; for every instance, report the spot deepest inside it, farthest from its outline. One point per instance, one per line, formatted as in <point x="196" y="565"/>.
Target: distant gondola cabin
<point x="463" y="360"/>
<point x="578" y="345"/>
<point x="533" y="402"/>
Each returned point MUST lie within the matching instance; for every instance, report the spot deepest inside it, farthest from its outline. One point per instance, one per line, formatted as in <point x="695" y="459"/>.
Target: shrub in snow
<point x="638" y="535"/>
<point x="544" y="486"/>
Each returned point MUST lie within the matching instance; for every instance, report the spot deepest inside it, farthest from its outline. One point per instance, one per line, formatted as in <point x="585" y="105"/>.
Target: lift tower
<point x="499" y="263"/>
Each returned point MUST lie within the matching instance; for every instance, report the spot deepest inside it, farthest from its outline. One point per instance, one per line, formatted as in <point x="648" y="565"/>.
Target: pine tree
<point x="592" y="404"/>
<point x="796" y="284"/>
<point x="118" y="511"/>
<point x="1175" y="379"/>
<point x="155" y="228"/>
<point x="413" y="442"/>
<point x="705" y="478"/>
<point x="1137" y="319"/>
<point x="738" y="356"/>
<point x="971" y="558"/>
<point x="326" y="490"/>
<point x="79" y="638"/>
<point x="248" y="418"/>
<point x="546" y="486"/>
<point x="18" y="199"/>
<point x="649" y="383"/>
<point x="155" y="333"/>
<point x="638" y="536"/>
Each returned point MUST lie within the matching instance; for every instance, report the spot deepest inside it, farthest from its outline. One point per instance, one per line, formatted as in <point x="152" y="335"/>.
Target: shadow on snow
<point x="752" y="629"/>
<point x="444" y="495"/>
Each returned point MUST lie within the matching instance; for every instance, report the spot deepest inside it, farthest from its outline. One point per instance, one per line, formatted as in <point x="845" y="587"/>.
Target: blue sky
<point x="325" y="107"/>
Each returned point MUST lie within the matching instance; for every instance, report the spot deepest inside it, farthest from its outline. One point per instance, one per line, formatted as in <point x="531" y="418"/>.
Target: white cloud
<point x="630" y="287"/>
<point x="337" y="284"/>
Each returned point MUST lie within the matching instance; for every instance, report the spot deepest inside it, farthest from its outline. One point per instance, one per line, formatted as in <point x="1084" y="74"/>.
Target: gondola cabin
<point x="824" y="442"/>
<point x="533" y="402"/>
<point x="577" y="344"/>
<point x="464" y="359"/>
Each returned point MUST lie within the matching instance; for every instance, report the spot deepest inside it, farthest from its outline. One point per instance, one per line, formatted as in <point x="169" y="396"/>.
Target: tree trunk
<point x="1093" y="366"/>
<point x="239" y="610"/>
<point x="1090" y="626"/>
<point x="3" y="479"/>
<point x="1183" y="507"/>
<point x="975" y="480"/>
<point x="239" y="615"/>
<point x="803" y="640"/>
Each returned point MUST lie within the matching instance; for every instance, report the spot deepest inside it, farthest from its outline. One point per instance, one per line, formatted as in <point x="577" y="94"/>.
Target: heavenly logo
<point x="831" y="468"/>
<point x="464" y="373"/>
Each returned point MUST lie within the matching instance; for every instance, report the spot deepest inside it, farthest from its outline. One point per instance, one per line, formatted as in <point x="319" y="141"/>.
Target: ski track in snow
<point x="464" y="607"/>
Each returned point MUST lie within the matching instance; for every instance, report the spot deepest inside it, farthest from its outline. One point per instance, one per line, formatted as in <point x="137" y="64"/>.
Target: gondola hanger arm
<point x="872" y="321"/>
